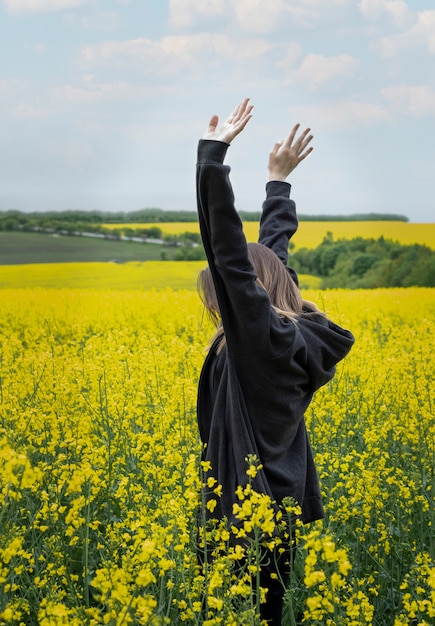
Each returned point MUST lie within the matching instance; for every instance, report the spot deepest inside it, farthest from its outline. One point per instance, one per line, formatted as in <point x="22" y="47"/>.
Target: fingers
<point x="241" y="108"/>
<point x="212" y="125"/>
<point x="276" y="147"/>
<point x="299" y="146"/>
<point x="241" y="111"/>
<point x="302" y="141"/>
<point x="244" y="118"/>
<point x="240" y="117"/>
<point x="304" y="155"/>
<point x="232" y="126"/>
<point x="292" y="135"/>
<point x="237" y="109"/>
<point x="241" y="122"/>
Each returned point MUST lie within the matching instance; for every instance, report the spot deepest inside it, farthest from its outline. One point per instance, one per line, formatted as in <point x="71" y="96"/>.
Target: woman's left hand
<point x="232" y="126"/>
<point x="286" y="155"/>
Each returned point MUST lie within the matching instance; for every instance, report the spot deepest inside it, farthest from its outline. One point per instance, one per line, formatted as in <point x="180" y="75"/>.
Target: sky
<point x="102" y="102"/>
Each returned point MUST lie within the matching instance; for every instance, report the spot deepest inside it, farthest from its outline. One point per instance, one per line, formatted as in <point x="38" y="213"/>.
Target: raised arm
<point x="244" y="306"/>
<point x="278" y="220"/>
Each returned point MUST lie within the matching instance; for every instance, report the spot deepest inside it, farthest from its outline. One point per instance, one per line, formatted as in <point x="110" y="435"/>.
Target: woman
<point x="271" y="350"/>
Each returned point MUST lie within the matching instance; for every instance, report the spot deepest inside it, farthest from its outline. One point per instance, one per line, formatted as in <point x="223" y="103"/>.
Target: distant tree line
<point x="355" y="217"/>
<point x="367" y="263"/>
<point x="343" y="263"/>
<point x="24" y="223"/>
<point x="353" y="263"/>
<point x="14" y="220"/>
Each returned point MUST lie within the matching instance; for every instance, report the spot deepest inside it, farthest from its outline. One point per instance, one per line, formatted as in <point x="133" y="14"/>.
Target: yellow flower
<point x="211" y="505"/>
<point x="145" y="577"/>
<point x="314" y="578"/>
<point x="252" y="471"/>
<point x="206" y="466"/>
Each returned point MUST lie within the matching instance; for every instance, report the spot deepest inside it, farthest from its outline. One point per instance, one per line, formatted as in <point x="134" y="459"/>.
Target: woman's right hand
<point x="286" y="155"/>
<point x="232" y="126"/>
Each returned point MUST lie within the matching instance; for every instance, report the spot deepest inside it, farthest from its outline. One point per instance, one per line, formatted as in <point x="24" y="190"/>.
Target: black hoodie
<point x="253" y="394"/>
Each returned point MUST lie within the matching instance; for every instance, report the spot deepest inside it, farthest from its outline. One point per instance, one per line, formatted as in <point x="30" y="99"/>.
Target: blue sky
<point x="102" y="101"/>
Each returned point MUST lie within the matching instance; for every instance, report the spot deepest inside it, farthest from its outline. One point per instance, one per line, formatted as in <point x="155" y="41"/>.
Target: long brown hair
<point x="272" y="276"/>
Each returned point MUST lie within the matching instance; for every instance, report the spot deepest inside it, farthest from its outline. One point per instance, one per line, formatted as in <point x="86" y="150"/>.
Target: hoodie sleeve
<point x="278" y="221"/>
<point x="244" y="306"/>
<point x="328" y="345"/>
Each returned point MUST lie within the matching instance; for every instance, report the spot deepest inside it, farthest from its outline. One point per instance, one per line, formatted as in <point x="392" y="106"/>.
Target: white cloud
<point x="341" y="114"/>
<point x="27" y="111"/>
<point x="320" y="4"/>
<point x="288" y="55"/>
<point x="101" y="20"/>
<point x="258" y="16"/>
<point x="79" y="95"/>
<point x="20" y="100"/>
<point x="397" y="10"/>
<point x="91" y="92"/>
<point x="415" y="100"/>
<point x="173" y="53"/>
<point x="184" y="13"/>
<point x="29" y="101"/>
<point x="422" y="32"/>
<point x="265" y="15"/>
<point x="317" y="69"/>
<point x="425" y="28"/>
<point x="16" y="7"/>
<point x="9" y="85"/>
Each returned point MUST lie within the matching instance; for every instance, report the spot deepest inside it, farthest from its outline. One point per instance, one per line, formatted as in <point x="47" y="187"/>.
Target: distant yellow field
<point x="116" y="276"/>
<point x="311" y="234"/>
<point x="140" y="276"/>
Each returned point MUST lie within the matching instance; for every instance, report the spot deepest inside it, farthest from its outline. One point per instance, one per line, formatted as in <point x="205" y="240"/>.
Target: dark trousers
<point x="273" y="562"/>
<point x="278" y="564"/>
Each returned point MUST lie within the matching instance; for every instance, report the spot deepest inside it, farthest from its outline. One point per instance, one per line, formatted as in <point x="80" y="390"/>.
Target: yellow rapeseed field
<point x="120" y="276"/>
<point x="311" y="234"/>
<point x="133" y="275"/>
<point x="100" y="474"/>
